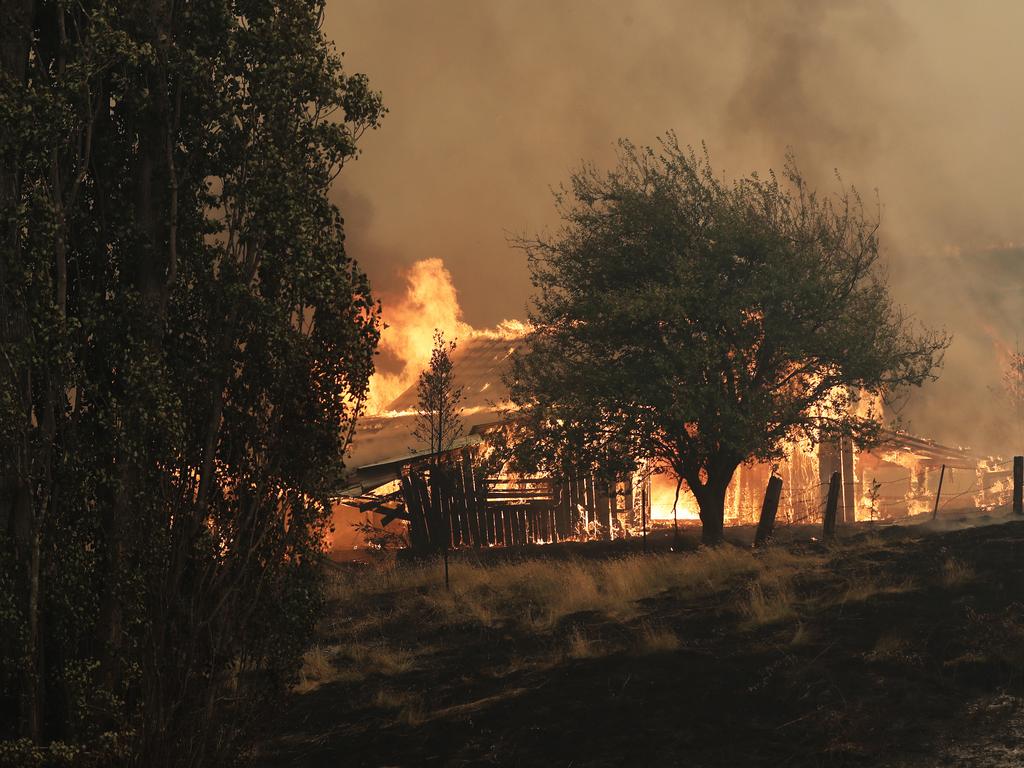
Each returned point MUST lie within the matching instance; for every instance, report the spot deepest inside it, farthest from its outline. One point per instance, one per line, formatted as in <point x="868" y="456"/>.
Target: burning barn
<point x="394" y="485"/>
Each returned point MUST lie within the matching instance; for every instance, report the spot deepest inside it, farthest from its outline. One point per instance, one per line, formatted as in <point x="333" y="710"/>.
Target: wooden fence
<point x="453" y="502"/>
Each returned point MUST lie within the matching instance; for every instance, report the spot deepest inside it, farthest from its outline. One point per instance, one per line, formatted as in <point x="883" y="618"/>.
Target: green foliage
<point x="184" y="349"/>
<point x="701" y="323"/>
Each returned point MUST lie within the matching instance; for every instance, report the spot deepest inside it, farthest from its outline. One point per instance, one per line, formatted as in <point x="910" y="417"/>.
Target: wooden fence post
<point x="419" y="488"/>
<point x="831" y="505"/>
<point x="418" y="536"/>
<point x="938" y="493"/>
<point x="469" y="499"/>
<point x="1018" y="485"/>
<point x="603" y="509"/>
<point x="849" y="480"/>
<point x="766" y="525"/>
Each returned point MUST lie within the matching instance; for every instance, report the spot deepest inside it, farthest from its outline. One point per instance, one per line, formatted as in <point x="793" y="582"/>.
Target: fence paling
<point x="1018" y="485"/>
<point x="766" y="523"/>
<point x="938" y="493"/>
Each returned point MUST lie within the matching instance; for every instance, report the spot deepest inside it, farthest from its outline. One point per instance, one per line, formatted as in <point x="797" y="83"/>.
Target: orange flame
<point x="430" y="303"/>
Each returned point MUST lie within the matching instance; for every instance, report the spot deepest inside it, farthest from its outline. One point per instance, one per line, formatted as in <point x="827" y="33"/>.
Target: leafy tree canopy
<point x="184" y="345"/>
<point x="703" y="323"/>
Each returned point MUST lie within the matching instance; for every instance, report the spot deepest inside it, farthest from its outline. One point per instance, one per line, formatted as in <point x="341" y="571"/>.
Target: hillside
<point x="898" y="646"/>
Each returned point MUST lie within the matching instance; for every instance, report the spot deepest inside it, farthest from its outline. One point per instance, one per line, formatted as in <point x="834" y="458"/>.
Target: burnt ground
<point x="930" y="674"/>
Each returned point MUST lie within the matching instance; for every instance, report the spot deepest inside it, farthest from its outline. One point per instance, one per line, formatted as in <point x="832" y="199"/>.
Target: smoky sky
<point x="918" y="103"/>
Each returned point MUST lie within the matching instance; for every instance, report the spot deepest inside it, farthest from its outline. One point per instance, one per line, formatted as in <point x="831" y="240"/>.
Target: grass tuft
<point x="801" y="636"/>
<point x="769" y="601"/>
<point x="317" y="668"/>
<point x="889" y="645"/>
<point x="955" y="573"/>
<point x="353" y="662"/>
<point x="582" y="646"/>
<point x="408" y="707"/>
<point x="869" y="586"/>
<point x="654" y="639"/>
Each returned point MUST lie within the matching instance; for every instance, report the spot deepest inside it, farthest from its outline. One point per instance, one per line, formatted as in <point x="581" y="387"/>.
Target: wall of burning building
<point x="459" y="500"/>
<point x="896" y="479"/>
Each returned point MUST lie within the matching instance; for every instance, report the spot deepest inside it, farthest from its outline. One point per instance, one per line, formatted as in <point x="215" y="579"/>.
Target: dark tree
<point x="439" y="425"/>
<point x="438" y="414"/>
<point x="1013" y="386"/>
<point x="701" y="323"/>
<point x="184" y="347"/>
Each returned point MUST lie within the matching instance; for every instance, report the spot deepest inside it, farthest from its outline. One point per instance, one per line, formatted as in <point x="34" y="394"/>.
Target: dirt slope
<point x="901" y="647"/>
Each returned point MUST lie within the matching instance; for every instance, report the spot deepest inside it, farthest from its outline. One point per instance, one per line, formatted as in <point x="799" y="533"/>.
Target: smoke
<point x="491" y="103"/>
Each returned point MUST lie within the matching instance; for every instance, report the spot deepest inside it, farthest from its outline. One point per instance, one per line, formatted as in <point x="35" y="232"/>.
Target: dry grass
<point x="890" y="645"/>
<point x="408" y="707"/>
<point x="969" y="658"/>
<point x="768" y="601"/>
<point x="352" y="662"/>
<point x="870" y="586"/>
<point x="317" y="668"/>
<point x="394" y="629"/>
<point x="861" y="543"/>
<point x="955" y="573"/>
<point x="537" y="594"/>
<point x="582" y="646"/>
<point x="381" y="658"/>
<point x="770" y="597"/>
<point x="655" y="639"/>
<point x="517" y="664"/>
<point x="801" y="636"/>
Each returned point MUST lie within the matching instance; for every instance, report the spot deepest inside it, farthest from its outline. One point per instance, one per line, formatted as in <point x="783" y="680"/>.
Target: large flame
<point x="430" y="303"/>
<point x="663" y="494"/>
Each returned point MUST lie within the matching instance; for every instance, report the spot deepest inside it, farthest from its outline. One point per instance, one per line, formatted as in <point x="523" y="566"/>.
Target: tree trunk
<point x="711" y="501"/>
<point x="710" y="496"/>
<point x="19" y="510"/>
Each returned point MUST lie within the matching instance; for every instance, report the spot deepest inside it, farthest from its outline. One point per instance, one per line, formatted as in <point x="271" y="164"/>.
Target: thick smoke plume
<point x="492" y="103"/>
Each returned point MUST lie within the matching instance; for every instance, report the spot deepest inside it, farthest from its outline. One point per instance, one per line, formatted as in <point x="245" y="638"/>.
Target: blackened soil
<point x="926" y="673"/>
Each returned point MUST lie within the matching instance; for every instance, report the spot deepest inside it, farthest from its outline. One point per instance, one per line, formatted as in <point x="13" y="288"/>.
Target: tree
<point x="1013" y="386"/>
<point x="439" y="425"/>
<point x="686" y="320"/>
<point x="438" y="415"/>
<point x="184" y="348"/>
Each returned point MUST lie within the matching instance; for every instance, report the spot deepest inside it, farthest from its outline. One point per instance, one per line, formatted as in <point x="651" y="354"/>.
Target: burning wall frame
<point x="455" y="500"/>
